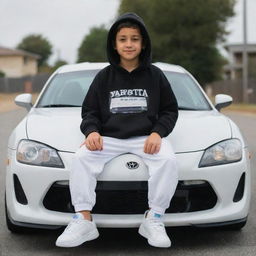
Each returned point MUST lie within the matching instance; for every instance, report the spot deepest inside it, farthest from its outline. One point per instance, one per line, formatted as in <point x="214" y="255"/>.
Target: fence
<point x="35" y="83"/>
<point x="233" y="88"/>
<point x="23" y="84"/>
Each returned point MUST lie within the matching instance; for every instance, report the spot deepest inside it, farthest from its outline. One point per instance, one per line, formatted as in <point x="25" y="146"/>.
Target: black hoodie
<point x="124" y="104"/>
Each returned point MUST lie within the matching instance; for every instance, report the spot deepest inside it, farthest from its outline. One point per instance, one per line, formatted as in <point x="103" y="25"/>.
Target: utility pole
<point x="58" y="54"/>
<point x="245" y="54"/>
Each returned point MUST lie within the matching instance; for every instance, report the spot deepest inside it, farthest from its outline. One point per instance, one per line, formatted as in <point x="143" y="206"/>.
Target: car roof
<point x="101" y="65"/>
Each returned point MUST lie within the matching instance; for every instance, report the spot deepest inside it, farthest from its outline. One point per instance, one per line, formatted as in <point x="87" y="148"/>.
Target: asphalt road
<point x="186" y="241"/>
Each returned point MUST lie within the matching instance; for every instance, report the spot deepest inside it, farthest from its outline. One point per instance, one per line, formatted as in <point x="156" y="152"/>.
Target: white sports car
<point x="214" y="186"/>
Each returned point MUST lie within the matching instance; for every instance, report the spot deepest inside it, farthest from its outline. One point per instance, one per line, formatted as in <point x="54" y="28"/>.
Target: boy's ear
<point x="114" y="45"/>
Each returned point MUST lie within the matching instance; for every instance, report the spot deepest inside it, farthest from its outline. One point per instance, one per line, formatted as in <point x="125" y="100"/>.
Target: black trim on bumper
<point x="219" y="224"/>
<point x="55" y="227"/>
<point x="19" y="192"/>
<point x="240" y="189"/>
<point x="34" y="225"/>
<point x="131" y="197"/>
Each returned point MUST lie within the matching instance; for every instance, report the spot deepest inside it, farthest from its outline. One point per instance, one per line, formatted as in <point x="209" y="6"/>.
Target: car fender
<point x="17" y="134"/>
<point x="236" y="133"/>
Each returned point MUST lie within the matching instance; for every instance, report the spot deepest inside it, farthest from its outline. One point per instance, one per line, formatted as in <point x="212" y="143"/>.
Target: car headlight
<point x="224" y="152"/>
<point x="34" y="153"/>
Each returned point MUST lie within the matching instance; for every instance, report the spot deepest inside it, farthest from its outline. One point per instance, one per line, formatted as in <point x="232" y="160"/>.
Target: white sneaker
<point x="152" y="228"/>
<point x="77" y="232"/>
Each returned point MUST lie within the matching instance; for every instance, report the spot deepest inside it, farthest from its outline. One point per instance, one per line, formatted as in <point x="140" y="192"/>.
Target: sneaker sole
<point x="145" y="234"/>
<point x="91" y="236"/>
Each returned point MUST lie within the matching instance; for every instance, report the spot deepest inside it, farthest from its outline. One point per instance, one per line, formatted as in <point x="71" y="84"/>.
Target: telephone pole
<point x="245" y="54"/>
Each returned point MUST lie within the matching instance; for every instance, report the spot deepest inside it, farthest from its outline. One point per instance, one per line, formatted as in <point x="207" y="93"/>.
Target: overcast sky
<point x="65" y="22"/>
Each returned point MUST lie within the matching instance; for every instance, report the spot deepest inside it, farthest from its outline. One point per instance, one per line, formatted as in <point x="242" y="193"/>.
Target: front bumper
<point x="36" y="182"/>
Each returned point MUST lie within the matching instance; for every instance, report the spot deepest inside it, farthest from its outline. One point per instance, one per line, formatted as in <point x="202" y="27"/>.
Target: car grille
<point x="113" y="197"/>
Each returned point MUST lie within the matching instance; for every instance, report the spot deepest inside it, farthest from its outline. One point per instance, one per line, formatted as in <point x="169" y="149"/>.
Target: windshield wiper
<point x="187" y="108"/>
<point x="59" y="106"/>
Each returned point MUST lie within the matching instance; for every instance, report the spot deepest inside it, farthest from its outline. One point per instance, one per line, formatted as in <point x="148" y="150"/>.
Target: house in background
<point x="17" y="63"/>
<point x="234" y="69"/>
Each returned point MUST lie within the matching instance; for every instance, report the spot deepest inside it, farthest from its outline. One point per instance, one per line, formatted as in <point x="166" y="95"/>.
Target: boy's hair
<point x="127" y="24"/>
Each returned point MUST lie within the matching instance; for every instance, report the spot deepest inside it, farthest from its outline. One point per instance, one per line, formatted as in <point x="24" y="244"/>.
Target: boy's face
<point x="128" y="44"/>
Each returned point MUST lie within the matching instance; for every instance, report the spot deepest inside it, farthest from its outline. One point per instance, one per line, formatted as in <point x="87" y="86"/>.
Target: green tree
<point x="186" y="32"/>
<point x="59" y="63"/>
<point x="93" y="46"/>
<point x="37" y="44"/>
<point x="2" y="74"/>
<point x="51" y="68"/>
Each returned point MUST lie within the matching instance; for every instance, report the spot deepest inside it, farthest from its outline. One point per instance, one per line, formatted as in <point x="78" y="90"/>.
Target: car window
<point x="69" y="90"/>
<point x="187" y="92"/>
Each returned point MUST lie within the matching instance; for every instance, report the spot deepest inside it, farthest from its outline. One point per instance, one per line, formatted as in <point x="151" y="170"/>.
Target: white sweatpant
<point x="87" y="165"/>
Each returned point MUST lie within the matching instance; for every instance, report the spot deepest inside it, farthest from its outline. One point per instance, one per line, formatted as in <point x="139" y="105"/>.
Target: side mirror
<point x="24" y="100"/>
<point x="222" y="101"/>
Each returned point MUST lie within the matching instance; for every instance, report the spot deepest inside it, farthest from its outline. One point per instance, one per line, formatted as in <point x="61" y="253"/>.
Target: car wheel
<point x="13" y="228"/>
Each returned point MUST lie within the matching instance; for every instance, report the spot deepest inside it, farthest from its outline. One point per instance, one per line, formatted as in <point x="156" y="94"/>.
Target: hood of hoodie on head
<point x="145" y="55"/>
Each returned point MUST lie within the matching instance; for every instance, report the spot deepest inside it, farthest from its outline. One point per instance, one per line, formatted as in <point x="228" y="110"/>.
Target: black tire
<point x="12" y="227"/>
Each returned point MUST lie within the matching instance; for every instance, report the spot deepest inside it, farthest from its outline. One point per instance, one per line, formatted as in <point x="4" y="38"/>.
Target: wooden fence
<point x="23" y="84"/>
<point x="233" y="88"/>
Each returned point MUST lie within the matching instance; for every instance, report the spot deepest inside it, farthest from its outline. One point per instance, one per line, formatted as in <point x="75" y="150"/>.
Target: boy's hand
<point x="153" y="143"/>
<point x="93" y="141"/>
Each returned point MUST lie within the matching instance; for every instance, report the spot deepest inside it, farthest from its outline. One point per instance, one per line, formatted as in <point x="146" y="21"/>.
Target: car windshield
<point x="187" y="92"/>
<point x="69" y="90"/>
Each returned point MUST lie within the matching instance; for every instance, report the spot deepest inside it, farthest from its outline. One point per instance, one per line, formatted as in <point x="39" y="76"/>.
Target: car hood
<point x="60" y="129"/>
